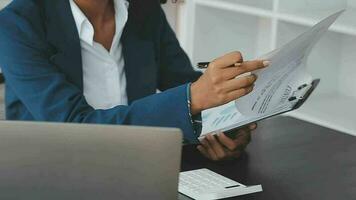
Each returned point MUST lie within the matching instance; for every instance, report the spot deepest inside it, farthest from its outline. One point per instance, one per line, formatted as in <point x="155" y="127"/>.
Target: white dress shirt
<point x="104" y="78"/>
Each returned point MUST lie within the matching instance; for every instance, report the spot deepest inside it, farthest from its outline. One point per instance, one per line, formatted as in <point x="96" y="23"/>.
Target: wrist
<point x="196" y="106"/>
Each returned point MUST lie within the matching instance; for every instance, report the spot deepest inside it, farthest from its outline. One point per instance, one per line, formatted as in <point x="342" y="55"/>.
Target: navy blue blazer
<point x="40" y="56"/>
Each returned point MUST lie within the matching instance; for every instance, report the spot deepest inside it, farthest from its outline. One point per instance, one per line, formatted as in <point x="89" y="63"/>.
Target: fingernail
<point x="210" y="137"/>
<point x="266" y="63"/>
<point x="253" y="126"/>
<point x="255" y="76"/>
<point x="237" y="64"/>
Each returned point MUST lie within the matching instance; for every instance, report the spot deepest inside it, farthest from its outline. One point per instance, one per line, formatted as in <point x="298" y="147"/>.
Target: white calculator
<point x="206" y="184"/>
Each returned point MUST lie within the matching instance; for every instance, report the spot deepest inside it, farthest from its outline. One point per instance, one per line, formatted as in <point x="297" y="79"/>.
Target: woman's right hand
<point x="219" y="85"/>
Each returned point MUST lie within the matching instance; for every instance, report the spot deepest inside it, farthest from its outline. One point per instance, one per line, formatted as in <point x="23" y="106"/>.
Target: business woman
<point x="102" y="61"/>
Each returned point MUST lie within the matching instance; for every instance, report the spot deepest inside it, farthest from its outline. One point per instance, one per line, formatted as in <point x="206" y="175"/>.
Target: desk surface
<point x="292" y="159"/>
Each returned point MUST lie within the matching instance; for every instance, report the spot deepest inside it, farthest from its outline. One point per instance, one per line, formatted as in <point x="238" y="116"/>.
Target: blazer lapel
<point x="140" y="62"/>
<point x="63" y="36"/>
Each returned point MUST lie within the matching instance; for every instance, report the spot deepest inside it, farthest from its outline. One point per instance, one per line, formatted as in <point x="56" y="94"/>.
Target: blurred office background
<point x="210" y="28"/>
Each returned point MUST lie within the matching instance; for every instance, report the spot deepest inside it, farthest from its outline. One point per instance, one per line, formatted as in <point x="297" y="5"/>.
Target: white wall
<point x="3" y="3"/>
<point x="171" y="12"/>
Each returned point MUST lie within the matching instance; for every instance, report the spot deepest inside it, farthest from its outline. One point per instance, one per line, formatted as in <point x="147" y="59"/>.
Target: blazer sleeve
<point x="175" y="66"/>
<point x="48" y="96"/>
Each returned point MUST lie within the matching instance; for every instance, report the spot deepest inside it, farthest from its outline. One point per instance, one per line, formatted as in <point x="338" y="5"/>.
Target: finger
<point x="233" y="72"/>
<point x="243" y="146"/>
<point x="250" y="66"/>
<point x="203" y="151"/>
<point x="253" y="126"/>
<point x="233" y="155"/>
<point x="243" y="134"/>
<point x="227" y="60"/>
<point x="230" y="72"/>
<point x="209" y="149"/>
<point x="239" y="83"/>
<point x="239" y="93"/>
<point x="243" y="142"/>
<point x="227" y="142"/>
<point x="217" y="147"/>
<point x="248" y="138"/>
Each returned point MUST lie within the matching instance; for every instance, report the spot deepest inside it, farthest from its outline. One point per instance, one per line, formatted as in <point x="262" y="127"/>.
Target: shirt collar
<point x="86" y="29"/>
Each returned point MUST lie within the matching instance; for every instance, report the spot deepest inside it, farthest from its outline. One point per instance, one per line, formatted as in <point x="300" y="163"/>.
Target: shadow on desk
<point x="293" y="160"/>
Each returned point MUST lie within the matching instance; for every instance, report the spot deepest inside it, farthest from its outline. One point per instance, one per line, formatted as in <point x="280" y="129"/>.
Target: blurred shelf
<point x="346" y="24"/>
<point x="229" y="5"/>
<point x="315" y="10"/>
<point x="309" y="21"/>
<point x="210" y="38"/>
<point x="264" y="4"/>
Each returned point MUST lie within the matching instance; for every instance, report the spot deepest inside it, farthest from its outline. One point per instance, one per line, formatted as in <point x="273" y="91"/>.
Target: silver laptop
<point x="73" y="161"/>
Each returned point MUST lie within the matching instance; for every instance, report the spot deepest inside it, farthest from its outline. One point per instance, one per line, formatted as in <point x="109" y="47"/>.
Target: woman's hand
<point x="221" y="147"/>
<point x="219" y="85"/>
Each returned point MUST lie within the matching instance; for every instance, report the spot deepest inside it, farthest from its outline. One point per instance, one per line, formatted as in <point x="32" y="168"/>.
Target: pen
<point x="204" y="65"/>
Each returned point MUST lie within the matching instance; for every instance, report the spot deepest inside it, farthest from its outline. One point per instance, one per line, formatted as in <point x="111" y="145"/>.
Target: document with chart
<point x="282" y="87"/>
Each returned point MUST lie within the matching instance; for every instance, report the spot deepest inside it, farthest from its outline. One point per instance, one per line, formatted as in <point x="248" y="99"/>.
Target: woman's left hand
<point x="221" y="147"/>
